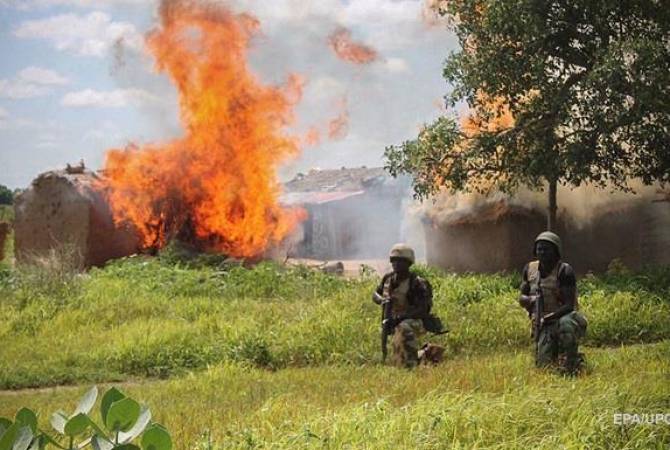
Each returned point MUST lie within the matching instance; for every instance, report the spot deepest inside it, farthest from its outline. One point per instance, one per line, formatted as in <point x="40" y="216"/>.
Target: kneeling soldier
<point x="407" y="299"/>
<point x="549" y="294"/>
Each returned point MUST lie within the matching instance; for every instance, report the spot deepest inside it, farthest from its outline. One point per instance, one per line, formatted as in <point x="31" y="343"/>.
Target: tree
<point x="587" y="84"/>
<point x="6" y="195"/>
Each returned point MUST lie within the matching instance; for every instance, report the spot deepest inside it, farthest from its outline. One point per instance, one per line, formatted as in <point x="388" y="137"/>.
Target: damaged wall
<point x="62" y="210"/>
<point x="496" y="236"/>
<point x="489" y="238"/>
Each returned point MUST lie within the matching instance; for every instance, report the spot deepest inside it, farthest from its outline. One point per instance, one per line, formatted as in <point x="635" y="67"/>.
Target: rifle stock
<point x="539" y="312"/>
<point x="387" y="323"/>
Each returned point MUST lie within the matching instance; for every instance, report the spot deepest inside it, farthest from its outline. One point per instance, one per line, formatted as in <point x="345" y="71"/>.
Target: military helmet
<point x="548" y="236"/>
<point x="402" y="251"/>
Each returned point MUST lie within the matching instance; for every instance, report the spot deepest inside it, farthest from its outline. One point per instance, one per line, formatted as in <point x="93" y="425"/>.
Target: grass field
<point x="270" y="357"/>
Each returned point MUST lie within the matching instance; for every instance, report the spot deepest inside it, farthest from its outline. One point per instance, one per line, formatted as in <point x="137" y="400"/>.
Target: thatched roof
<point x="486" y="212"/>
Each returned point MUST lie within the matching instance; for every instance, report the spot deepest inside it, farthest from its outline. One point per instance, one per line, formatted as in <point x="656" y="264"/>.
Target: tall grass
<point x="144" y="317"/>
<point x="495" y="401"/>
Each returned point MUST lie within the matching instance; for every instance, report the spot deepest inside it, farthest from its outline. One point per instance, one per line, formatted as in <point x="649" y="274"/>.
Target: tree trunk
<point x="551" y="217"/>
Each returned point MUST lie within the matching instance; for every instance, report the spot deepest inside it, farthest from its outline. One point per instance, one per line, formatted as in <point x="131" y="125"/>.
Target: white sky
<point x="67" y="92"/>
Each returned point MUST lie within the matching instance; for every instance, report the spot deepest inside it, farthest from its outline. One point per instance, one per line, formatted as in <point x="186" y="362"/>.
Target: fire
<point x="494" y="115"/>
<point x="215" y="186"/>
<point x="348" y="50"/>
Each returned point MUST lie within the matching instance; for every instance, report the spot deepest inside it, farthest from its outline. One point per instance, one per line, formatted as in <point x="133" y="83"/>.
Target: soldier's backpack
<point x="431" y="322"/>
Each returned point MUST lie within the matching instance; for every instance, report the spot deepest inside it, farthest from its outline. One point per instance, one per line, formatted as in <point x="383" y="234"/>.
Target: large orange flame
<point x="216" y="185"/>
<point x="347" y="50"/>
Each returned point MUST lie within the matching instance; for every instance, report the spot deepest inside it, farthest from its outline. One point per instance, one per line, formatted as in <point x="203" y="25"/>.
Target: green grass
<point x="269" y="357"/>
<point x="491" y="401"/>
<point x="142" y="317"/>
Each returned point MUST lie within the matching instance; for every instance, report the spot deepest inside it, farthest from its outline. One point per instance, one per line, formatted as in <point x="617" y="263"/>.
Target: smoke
<point x="430" y="13"/>
<point x="339" y="126"/>
<point x="578" y="205"/>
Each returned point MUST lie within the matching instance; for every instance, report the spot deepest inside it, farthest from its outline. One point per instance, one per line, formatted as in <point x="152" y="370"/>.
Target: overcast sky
<point x="75" y="79"/>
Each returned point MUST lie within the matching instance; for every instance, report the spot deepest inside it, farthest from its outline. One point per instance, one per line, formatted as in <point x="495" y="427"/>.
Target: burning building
<point x="63" y="211"/>
<point x="351" y="213"/>
<point x="498" y="235"/>
<point x="492" y="237"/>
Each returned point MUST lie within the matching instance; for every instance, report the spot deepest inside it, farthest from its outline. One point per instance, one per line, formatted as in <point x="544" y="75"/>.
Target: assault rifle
<point x="539" y="312"/>
<point x="388" y="323"/>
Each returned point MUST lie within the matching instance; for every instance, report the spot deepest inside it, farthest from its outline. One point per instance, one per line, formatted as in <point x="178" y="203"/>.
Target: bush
<point x="123" y="421"/>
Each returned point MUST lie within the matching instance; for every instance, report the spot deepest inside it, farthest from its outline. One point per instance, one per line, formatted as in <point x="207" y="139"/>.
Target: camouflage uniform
<point x="563" y="334"/>
<point x="409" y="303"/>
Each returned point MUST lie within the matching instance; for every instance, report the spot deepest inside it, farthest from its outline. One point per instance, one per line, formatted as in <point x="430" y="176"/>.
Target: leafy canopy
<point x="587" y="84"/>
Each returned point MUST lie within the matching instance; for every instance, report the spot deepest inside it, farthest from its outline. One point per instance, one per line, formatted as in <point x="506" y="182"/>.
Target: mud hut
<point x="63" y="212"/>
<point x="636" y="233"/>
<point x="352" y="212"/>
<point x="498" y="236"/>
<point x="491" y="237"/>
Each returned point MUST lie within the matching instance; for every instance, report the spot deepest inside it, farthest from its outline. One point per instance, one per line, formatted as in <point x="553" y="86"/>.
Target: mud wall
<point x="484" y="246"/>
<point x="64" y="213"/>
<point x="636" y="233"/>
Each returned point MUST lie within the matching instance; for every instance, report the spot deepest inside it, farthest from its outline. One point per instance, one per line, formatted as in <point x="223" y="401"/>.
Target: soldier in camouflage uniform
<point x="410" y="297"/>
<point x="561" y="325"/>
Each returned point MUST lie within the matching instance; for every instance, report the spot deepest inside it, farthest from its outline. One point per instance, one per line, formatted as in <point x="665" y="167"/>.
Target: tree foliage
<point x="6" y="195"/>
<point x="586" y="82"/>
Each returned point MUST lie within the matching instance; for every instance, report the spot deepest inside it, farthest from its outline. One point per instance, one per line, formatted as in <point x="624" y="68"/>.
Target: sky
<point x="76" y="79"/>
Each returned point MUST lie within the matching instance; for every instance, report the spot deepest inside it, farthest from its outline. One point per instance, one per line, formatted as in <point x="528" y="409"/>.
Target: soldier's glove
<point x="389" y="325"/>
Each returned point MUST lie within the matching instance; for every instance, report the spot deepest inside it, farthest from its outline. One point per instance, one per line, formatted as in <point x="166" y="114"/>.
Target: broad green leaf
<point x="9" y="437"/>
<point x="76" y="425"/>
<point x="122" y="415"/>
<point x="138" y="428"/>
<point x="4" y="424"/>
<point x="111" y="396"/>
<point x="28" y="418"/>
<point x="87" y="401"/>
<point x="23" y="438"/>
<point x="58" y="421"/>
<point x="101" y="443"/>
<point x="156" y="438"/>
<point x="126" y="447"/>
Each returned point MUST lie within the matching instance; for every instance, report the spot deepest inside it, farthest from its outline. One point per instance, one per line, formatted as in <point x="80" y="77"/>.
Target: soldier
<point x="410" y="298"/>
<point x="549" y="294"/>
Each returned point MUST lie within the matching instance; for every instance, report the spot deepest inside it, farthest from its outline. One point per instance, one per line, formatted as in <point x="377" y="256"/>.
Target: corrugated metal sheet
<point x="315" y="198"/>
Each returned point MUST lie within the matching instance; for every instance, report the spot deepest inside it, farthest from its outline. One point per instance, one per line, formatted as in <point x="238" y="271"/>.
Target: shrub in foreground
<point x="124" y="421"/>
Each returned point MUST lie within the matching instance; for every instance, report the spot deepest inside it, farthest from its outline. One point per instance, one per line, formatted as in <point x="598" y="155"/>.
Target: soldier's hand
<point x="528" y="301"/>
